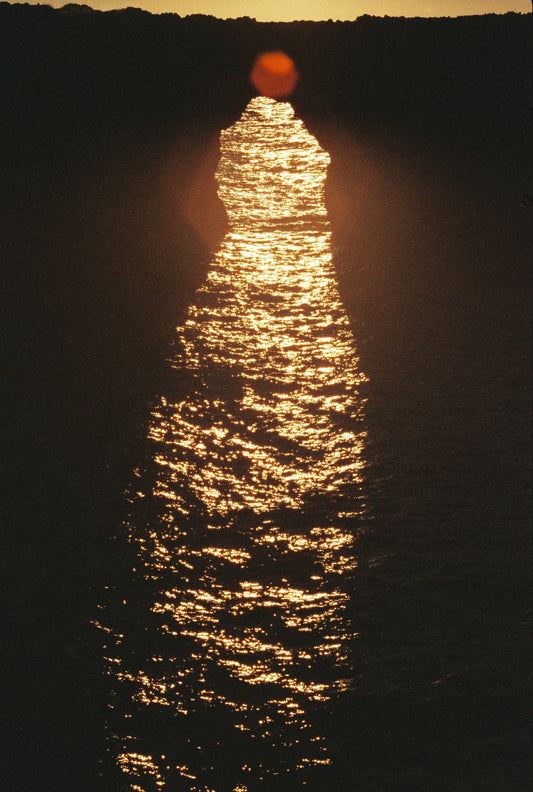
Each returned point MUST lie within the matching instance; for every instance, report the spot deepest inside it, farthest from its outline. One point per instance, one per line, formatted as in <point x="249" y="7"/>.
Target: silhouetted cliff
<point x="108" y="215"/>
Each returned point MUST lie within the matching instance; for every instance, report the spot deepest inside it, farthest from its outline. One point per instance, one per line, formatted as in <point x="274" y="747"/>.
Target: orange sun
<point x="274" y="75"/>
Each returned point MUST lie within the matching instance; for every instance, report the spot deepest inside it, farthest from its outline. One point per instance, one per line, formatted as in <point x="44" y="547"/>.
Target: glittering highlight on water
<point x="245" y="515"/>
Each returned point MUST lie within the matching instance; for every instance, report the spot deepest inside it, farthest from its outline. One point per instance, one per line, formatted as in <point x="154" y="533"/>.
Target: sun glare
<point x="256" y="476"/>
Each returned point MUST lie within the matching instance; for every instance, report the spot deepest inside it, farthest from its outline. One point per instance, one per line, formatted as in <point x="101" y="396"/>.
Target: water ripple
<point x="245" y="515"/>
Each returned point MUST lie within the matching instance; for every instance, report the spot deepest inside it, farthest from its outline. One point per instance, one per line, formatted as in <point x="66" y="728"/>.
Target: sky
<point x="288" y="10"/>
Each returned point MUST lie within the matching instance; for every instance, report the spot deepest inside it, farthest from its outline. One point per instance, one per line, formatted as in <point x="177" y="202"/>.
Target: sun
<point x="274" y="75"/>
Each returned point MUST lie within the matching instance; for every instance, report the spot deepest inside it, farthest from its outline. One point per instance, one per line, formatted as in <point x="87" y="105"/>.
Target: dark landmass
<point x="108" y="212"/>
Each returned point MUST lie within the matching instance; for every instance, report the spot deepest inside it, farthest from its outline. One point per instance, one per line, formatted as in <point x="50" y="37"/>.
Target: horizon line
<point x="85" y="8"/>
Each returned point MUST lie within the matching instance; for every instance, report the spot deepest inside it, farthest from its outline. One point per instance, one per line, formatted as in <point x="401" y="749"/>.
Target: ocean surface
<point x="294" y="590"/>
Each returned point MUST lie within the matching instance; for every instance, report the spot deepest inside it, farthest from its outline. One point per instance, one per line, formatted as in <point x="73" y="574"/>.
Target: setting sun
<point x="274" y="75"/>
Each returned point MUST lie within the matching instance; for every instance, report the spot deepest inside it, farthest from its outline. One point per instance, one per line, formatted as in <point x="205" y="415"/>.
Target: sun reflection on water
<point x="245" y="516"/>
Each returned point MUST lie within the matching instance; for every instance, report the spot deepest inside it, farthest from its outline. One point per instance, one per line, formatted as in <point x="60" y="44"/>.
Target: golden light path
<point x="245" y="515"/>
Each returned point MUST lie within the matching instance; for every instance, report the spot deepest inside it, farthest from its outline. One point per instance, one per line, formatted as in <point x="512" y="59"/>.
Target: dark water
<point x="307" y="579"/>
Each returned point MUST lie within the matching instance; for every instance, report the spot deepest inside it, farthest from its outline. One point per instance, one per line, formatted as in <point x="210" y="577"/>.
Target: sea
<point x="303" y="603"/>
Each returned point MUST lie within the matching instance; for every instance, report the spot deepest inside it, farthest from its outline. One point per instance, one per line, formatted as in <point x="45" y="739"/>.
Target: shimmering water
<point x="244" y="517"/>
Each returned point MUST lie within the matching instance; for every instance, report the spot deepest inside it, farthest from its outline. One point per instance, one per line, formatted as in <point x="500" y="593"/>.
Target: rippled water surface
<point x="245" y="514"/>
